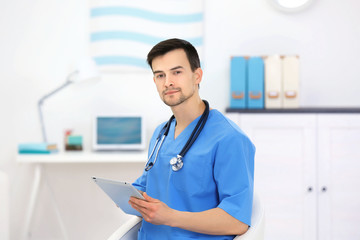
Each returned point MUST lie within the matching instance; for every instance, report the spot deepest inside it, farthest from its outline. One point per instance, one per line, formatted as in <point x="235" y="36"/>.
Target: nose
<point x="168" y="82"/>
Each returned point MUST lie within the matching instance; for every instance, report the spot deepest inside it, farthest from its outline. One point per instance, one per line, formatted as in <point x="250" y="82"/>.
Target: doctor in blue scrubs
<point x="206" y="190"/>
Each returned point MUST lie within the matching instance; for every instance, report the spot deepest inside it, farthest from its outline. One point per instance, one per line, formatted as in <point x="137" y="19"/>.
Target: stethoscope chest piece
<point x="176" y="163"/>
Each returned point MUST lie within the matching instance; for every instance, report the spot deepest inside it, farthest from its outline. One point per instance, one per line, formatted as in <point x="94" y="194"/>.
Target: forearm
<point x="214" y="222"/>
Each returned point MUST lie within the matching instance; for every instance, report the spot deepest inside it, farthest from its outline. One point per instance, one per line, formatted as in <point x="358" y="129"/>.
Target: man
<point x="210" y="197"/>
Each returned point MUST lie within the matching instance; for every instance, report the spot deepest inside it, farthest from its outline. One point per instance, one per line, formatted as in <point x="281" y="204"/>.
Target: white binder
<point x="273" y="82"/>
<point x="291" y="81"/>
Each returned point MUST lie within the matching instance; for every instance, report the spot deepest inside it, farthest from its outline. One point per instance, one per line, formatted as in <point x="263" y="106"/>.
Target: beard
<point x="173" y="101"/>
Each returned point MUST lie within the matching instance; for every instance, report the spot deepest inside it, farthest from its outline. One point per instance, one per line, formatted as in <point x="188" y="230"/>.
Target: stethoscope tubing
<point x="149" y="164"/>
<point x="164" y="132"/>
<point x="192" y="138"/>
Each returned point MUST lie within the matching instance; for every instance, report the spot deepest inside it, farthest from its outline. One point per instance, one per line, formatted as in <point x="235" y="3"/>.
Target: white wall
<point x="42" y="40"/>
<point x="325" y="36"/>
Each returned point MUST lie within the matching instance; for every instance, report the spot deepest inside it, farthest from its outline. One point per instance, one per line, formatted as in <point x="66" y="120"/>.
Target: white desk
<point x="84" y="157"/>
<point x="69" y="157"/>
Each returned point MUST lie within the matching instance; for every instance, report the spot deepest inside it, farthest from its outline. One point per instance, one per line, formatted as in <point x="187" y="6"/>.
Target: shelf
<point x="295" y="110"/>
<point x="85" y="157"/>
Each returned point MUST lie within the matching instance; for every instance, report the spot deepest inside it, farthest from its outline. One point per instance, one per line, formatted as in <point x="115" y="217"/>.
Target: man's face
<point x="174" y="79"/>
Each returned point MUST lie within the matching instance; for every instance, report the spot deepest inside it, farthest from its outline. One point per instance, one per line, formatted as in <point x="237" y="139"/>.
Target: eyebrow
<point x="172" y="69"/>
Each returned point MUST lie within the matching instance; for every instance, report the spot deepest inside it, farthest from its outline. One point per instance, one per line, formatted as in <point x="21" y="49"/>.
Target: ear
<point x="198" y="75"/>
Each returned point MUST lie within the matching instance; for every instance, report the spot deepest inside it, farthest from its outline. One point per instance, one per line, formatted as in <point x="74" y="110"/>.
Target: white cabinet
<point x="285" y="167"/>
<point x="307" y="170"/>
<point x="339" y="176"/>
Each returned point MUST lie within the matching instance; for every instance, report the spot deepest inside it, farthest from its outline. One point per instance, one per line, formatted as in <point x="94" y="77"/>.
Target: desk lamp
<point x="86" y="70"/>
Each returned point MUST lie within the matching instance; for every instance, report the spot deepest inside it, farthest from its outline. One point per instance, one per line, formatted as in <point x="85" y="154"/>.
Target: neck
<point x="187" y="112"/>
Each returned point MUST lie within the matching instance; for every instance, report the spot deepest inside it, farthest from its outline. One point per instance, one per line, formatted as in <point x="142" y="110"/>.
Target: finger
<point x="134" y="198"/>
<point x="137" y="201"/>
<point x="136" y="207"/>
<point x="141" y="209"/>
<point x="148" y="198"/>
<point x="138" y="204"/>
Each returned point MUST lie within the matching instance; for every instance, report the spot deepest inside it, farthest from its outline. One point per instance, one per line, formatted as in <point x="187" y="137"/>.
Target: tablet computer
<point x="120" y="193"/>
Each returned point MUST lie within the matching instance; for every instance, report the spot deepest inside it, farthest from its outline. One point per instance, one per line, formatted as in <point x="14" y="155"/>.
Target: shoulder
<point x="159" y="127"/>
<point x="225" y="132"/>
<point x="157" y="131"/>
<point x="222" y="125"/>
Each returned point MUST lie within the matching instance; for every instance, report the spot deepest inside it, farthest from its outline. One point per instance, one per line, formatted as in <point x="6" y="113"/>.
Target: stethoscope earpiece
<point x="149" y="166"/>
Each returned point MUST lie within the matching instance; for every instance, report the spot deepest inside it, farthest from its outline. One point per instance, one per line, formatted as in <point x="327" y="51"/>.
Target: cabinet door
<point x="339" y="176"/>
<point x="285" y="170"/>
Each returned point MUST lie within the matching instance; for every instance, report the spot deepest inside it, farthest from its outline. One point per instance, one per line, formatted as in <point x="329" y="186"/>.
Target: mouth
<point x="170" y="92"/>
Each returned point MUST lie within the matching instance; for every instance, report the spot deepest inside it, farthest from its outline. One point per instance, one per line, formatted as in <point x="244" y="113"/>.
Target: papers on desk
<point x="37" y="148"/>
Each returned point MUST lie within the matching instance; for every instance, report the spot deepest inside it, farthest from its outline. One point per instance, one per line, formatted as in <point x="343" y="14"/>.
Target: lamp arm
<point x="41" y="101"/>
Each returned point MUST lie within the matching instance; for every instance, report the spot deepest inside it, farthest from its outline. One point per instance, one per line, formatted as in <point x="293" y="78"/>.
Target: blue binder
<point x="238" y="82"/>
<point x="255" y="93"/>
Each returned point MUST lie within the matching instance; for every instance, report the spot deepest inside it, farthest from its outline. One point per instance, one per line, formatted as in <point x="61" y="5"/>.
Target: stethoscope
<point x="177" y="162"/>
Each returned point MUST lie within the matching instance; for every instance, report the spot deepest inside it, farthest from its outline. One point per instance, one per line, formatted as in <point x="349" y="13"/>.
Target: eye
<point x="177" y="72"/>
<point x="160" y="76"/>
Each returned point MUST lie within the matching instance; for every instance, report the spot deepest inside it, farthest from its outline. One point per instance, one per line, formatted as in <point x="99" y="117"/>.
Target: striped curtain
<point x="122" y="32"/>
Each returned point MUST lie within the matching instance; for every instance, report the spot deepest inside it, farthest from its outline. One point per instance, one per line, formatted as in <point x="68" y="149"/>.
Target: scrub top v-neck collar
<point x="186" y="132"/>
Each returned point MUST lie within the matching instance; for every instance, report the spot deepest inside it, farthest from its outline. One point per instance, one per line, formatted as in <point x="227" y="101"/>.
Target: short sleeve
<point x="140" y="183"/>
<point x="234" y="175"/>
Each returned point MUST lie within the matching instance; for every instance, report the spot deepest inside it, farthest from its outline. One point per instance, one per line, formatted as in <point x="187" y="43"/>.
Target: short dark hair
<point x="166" y="46"/>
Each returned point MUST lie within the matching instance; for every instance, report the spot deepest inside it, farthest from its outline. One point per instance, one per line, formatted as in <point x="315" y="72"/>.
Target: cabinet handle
<point x="324" y="189"/>
<point x="309" y="189"/>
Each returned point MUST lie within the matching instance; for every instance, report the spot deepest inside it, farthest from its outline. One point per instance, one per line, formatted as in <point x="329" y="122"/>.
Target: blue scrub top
<point x="218" y="171"/>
